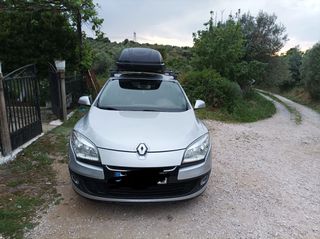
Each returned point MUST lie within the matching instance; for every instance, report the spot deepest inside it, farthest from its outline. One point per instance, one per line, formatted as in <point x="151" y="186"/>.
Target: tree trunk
<point x="79" y="32"/>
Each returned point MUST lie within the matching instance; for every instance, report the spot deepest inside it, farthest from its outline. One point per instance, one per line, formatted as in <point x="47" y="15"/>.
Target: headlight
<point x="197" y="150"/>
<point x="83" y="147"/>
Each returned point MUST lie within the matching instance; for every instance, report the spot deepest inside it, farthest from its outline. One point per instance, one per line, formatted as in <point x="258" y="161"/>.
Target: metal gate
<point x="21" y="90"/>
<point x="74" y="85"/>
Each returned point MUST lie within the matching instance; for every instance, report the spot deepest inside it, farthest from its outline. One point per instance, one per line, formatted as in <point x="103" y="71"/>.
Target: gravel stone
<point x="265" y="183"/>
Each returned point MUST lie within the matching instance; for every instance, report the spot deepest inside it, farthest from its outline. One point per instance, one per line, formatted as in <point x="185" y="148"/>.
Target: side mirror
<point x="200" y="104"/>
<point x="85" y="100"/>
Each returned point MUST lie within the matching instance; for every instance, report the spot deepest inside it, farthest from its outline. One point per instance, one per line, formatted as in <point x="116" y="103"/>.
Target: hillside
<point x="104" y="54"/>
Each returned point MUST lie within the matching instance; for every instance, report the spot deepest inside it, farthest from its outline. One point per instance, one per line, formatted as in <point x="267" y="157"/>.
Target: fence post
<point x="63" y="95"/>
<point x="61" y="65"/>
<point x="4" y="126"/>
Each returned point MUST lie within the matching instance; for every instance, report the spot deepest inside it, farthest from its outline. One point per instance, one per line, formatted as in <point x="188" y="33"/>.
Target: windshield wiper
<point x="108" y="108"/>
<point x="128" y="109"/>
<point x="149" y="110"/>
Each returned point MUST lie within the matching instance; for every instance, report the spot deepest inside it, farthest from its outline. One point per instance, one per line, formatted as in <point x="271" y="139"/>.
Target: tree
<point x="248" y="72"/>
<point x="219" y="46"/>
<point x="36" y="37"/>
<point x="310" y="71"/>
<point x="222" y="47"/>
<point x="83" y="11"/>
<point x="277" y="73"/>
<point x="75" y="13"/>
<point x="264" y="36"/>
<point x="294" y="59"/>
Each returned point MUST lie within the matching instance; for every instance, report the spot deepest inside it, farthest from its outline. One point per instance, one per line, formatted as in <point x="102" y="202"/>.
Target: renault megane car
<point x="140" y="140"/>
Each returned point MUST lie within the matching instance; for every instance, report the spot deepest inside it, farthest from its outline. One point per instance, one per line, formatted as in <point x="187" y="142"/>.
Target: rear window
<point x="143" y="95"/>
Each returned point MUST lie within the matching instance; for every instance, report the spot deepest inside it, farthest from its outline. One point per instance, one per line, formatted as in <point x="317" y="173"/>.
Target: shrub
<point x="210" y="86"/>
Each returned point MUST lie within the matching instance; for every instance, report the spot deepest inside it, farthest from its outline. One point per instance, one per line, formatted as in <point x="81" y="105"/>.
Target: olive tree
<point x="311" y="71"/>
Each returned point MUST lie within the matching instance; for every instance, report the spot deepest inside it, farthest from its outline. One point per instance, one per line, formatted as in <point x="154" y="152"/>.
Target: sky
<point x="172" y="22"/>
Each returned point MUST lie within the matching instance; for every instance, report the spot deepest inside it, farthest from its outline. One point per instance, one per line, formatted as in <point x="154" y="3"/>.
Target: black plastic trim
<point x="173" y="189"/>
<point x="95" y="163"/>
<point x="183" y="165"/>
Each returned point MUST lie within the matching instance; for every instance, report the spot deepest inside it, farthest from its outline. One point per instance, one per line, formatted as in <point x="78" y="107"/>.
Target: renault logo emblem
<point x="142" y="149"/>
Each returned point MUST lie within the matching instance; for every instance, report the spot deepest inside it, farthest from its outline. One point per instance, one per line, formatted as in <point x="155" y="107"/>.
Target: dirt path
<point x="265" y="184"/>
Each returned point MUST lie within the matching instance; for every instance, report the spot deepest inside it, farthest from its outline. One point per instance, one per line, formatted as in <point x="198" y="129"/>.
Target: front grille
<point x="118" y="168"/>
<point x="134" y="187"/>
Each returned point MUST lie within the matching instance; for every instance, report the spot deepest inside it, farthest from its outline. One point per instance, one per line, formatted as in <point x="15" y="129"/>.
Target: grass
<point x="250" y="109"/>
<point x="14" y="217"/>
<point x="293" y="111"/>
<point x="27" y="183"/>
<point x="301" y="96"/>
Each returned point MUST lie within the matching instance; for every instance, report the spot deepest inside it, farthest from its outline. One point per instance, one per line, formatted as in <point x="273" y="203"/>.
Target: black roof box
<point x="140" y="60"/>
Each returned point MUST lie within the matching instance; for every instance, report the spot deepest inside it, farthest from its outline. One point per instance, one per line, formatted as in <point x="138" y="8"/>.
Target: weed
<point x="252" y="108"/>
<point x="14" y="214"/>
<point x="301" y="96"/>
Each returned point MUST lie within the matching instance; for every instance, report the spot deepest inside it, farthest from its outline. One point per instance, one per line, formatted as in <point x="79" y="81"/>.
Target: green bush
<point x="211" y="87"/>
<point x="311" y="71"/>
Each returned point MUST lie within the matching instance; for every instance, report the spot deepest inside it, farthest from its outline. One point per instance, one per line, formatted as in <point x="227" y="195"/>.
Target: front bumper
<point x="119" y="184"/>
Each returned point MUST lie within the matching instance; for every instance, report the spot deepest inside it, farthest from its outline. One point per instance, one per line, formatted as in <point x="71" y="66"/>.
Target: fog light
<point x="75" y="179"/>
<point x="204" y="180"/>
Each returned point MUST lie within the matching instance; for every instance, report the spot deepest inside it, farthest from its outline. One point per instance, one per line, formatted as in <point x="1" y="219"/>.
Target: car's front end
<point x="155" y="177"/>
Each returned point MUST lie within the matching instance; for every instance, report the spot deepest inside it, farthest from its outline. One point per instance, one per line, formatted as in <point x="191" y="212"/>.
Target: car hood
<point x="125" y="130"/>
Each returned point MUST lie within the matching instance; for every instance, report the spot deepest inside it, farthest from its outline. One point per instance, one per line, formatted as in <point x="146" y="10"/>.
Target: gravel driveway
<point x="265" y="183"/>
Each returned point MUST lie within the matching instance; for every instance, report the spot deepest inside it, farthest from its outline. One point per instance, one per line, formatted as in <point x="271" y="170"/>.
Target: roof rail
<point x="118" y="73"/>
<point x="172" y="73"/>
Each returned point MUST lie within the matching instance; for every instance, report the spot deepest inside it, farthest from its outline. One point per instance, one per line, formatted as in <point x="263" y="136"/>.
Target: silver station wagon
<point x="141" y="140"/>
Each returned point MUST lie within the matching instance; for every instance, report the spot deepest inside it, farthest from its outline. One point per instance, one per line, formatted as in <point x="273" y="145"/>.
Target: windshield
<point x="143" y="95"/>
